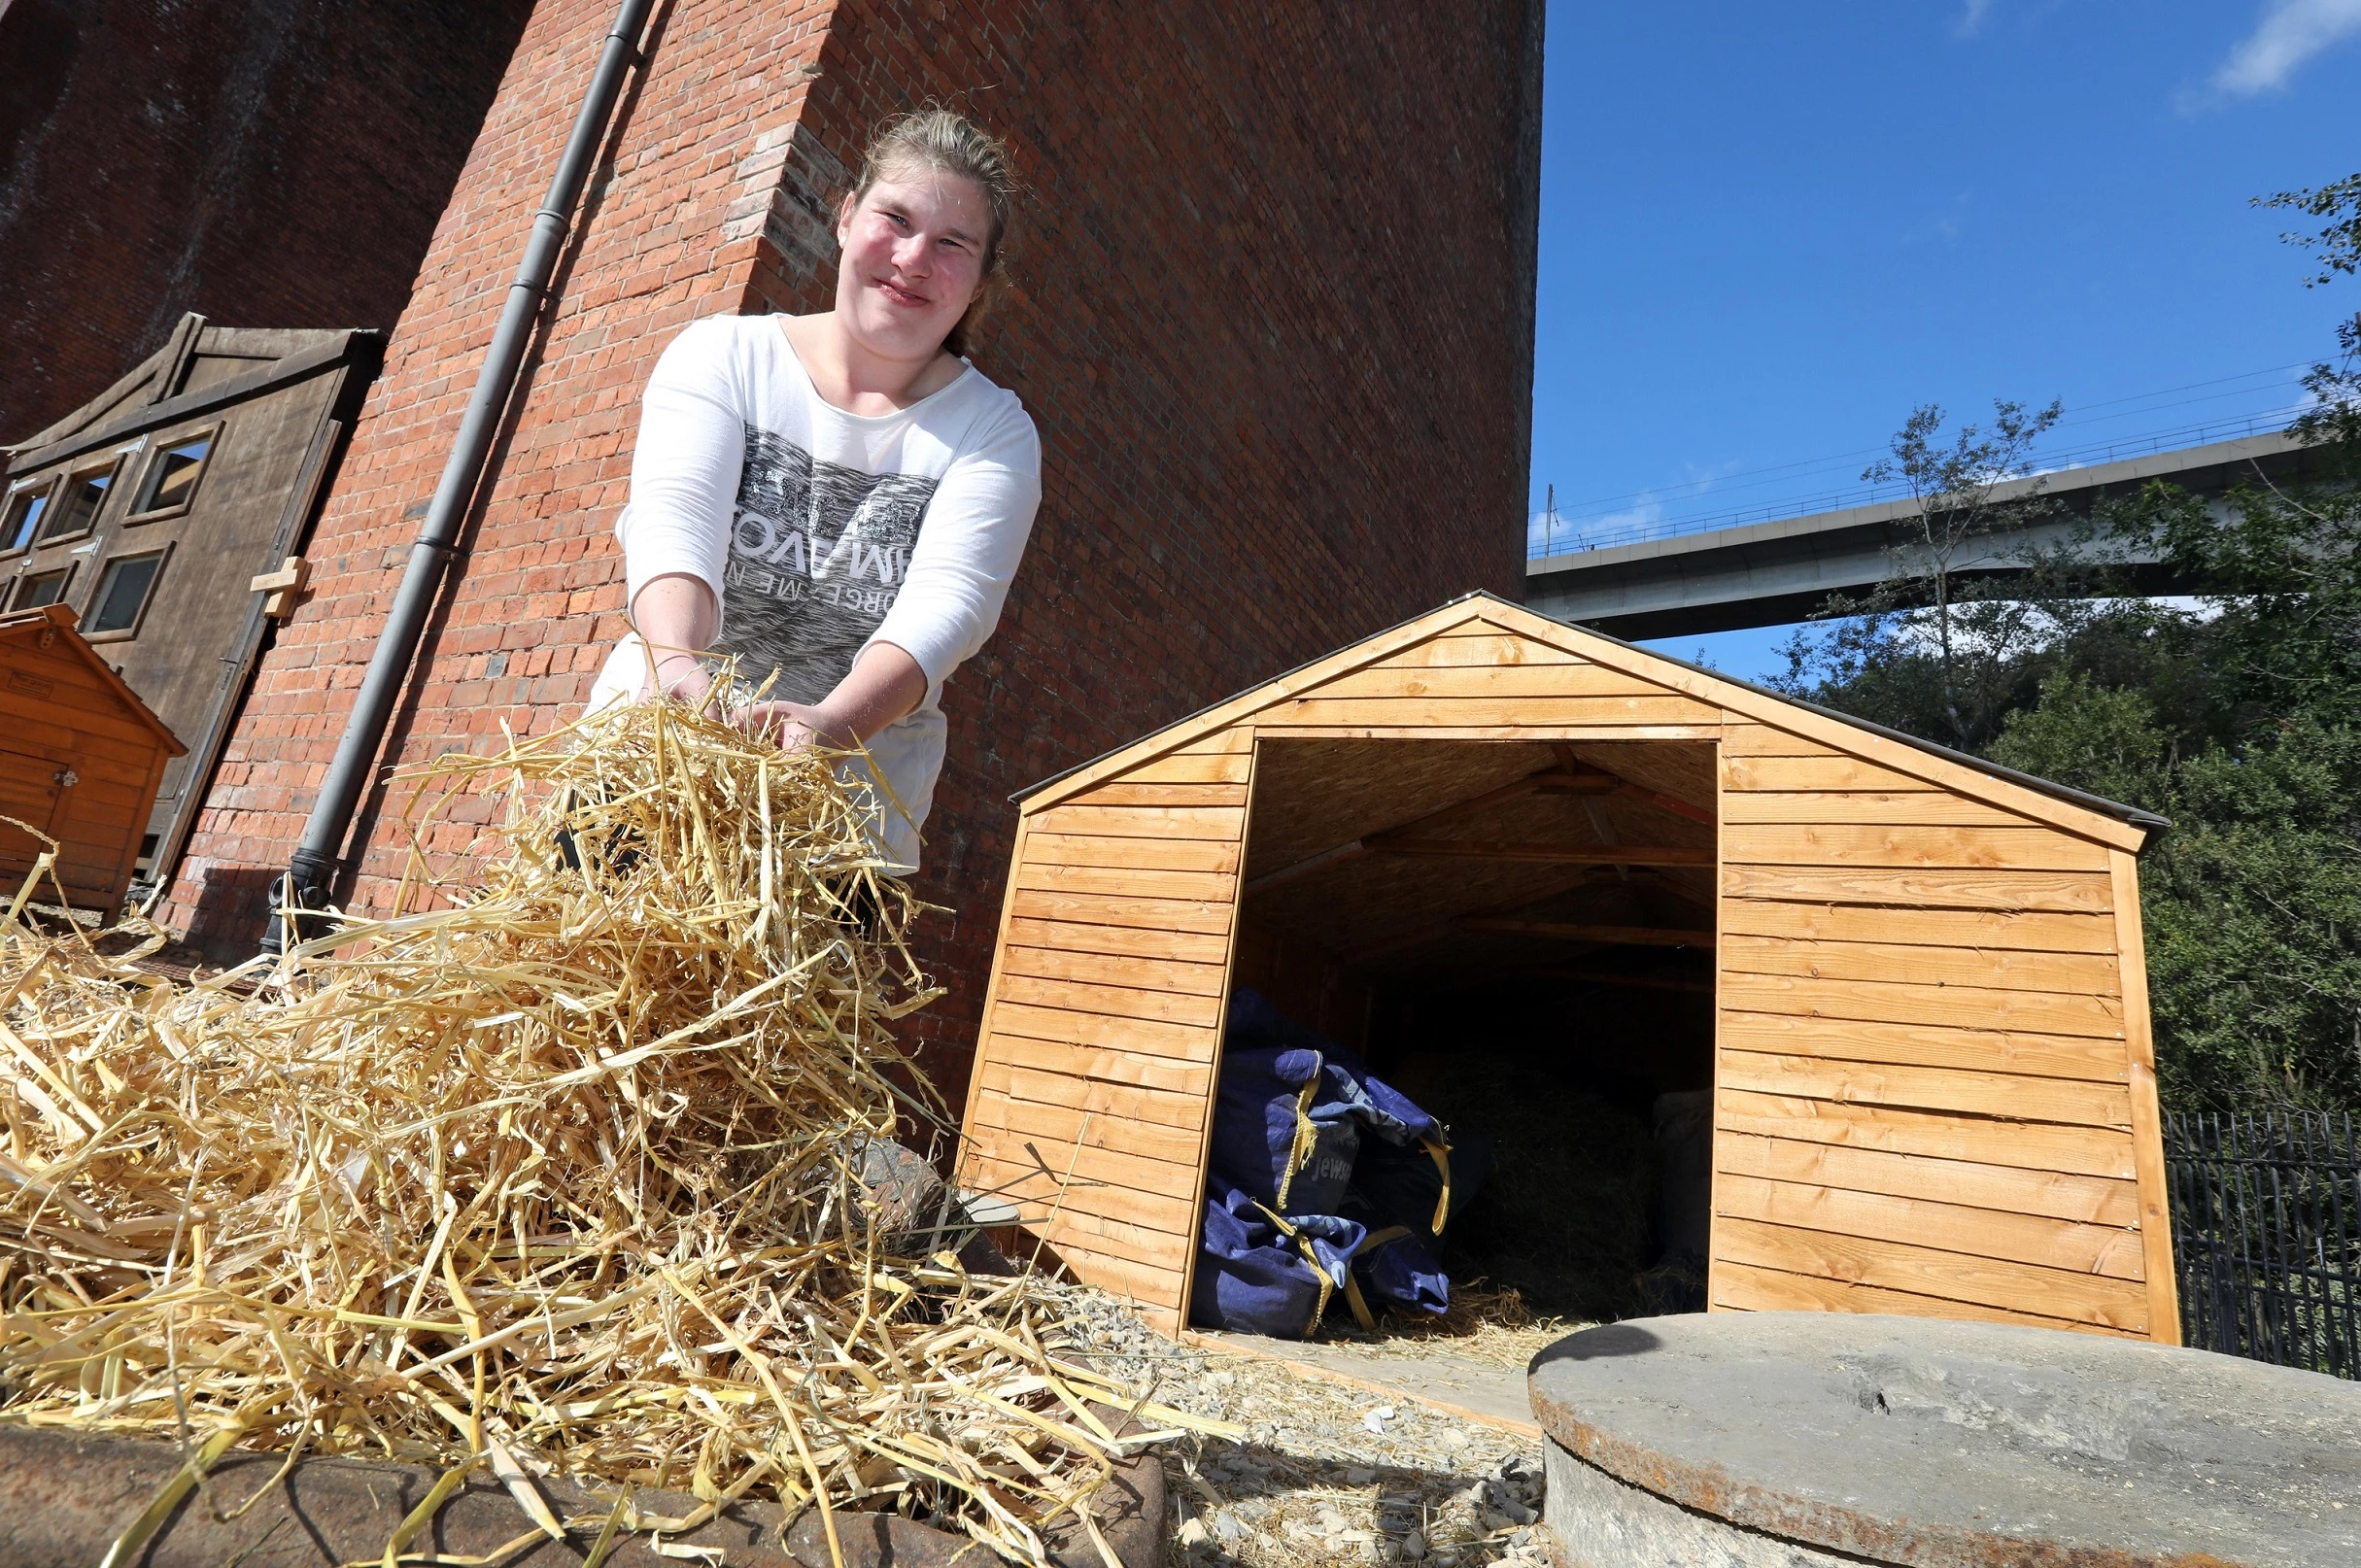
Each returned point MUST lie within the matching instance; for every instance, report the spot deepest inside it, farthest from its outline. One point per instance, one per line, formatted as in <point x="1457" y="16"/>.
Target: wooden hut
<point x="1913" y="981"/>
<point x="81" y="758"/>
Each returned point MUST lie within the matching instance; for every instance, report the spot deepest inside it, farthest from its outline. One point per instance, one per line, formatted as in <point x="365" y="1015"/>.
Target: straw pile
<point x="554" y="1171"/>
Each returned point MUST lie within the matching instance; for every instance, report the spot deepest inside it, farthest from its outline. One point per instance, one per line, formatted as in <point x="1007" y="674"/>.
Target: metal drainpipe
<point x="313" y="867"/>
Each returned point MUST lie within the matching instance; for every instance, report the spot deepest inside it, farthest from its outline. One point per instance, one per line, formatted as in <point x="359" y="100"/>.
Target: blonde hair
<point x="947" y="142"/>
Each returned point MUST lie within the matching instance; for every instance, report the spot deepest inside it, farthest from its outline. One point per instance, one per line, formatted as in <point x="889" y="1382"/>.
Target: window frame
<point x="157" y="448"/>
<point x="43" y="487"/>
<point x="112" y="468"/>
<point x="15" y="594"/>
<point x="147" y="602"/>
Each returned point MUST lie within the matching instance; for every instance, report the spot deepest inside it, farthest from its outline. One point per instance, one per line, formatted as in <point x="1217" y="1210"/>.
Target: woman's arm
<point x="965" y="556"/>
<point x="676" y="619"/>
<point x="675" y="530"/>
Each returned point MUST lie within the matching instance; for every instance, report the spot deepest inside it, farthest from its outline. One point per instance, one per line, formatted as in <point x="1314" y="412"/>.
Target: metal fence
<point x="2267" y="1235"/>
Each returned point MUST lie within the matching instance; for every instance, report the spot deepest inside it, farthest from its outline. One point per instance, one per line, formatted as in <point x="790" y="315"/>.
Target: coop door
<point x="31" y="787"/>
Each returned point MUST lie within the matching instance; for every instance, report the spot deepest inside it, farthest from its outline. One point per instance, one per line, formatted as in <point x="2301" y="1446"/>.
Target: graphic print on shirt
<point x="817" y="555"/>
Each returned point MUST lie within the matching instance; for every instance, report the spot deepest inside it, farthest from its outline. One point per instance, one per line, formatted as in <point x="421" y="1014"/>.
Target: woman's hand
<point x="792" y="726"/>
<point x="884" y="684"/>
<point x="679" y="673"/>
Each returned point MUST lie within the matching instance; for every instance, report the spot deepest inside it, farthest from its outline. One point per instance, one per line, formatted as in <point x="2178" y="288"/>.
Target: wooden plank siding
<point x="80" y="761"/>
<point x="1933" y="1086"/>
<point x="1924" y="1078"/>
<point x="1090" y="1105"/>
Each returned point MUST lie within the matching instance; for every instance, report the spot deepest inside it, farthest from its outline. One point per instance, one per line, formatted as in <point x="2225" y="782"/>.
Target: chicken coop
<point x="1549" y="883"/>
<point x="81" y="759"/>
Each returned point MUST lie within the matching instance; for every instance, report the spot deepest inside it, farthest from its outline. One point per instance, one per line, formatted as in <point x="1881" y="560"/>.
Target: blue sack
<point x="1275" y="1138"/>
<point x="1348" y="1086"/>
<point x="1394" y="1265"/>
<point x="1291" y="1110"/>
<point x="1314" y="1167"/>
<point x="1262" y="1275"/>
<point x="1405" y="1186"/>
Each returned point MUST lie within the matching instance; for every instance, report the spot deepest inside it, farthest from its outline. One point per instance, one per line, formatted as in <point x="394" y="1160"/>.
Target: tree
<point x="2242" y="723"/>
<point x="1936" y="648"/>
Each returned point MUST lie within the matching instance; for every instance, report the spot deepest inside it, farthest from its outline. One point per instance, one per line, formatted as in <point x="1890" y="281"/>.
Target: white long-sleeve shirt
<point x="821" y="531"/>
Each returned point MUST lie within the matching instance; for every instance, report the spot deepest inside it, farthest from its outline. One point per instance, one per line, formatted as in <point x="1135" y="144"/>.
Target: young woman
<point x="841" y="498"/>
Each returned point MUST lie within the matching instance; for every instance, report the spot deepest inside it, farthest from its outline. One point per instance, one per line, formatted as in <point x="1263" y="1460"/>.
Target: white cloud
<point x="1644" y="519"/>
<point x="1543" y="537"/>
<point x="1971" y="19"/>
<point x="2289" y="33"/>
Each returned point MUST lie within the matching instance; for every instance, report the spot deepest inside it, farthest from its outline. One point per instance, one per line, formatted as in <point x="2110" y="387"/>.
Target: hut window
<point x="75" y="507"/>
<point x="122" y="593"/>
<point x="22" y="516"/>
<point x="42" y="587"/>
<point x="172" y="476"/>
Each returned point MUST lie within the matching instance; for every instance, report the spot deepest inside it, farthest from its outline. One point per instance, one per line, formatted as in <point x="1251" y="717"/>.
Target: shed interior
<point x="1518" y="935"/>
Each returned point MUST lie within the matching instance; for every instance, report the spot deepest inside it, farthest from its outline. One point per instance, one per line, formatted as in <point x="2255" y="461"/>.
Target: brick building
<point x="1271" y="311"/>
<point x="269" y="163"/>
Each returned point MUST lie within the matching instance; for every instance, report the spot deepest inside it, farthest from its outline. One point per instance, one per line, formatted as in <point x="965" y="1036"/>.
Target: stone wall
<point x="1272" y="309"/>
<point x="264" y="162"/>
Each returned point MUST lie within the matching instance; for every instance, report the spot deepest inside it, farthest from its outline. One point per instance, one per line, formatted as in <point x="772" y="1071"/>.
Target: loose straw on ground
<point x="551" y="1172"/>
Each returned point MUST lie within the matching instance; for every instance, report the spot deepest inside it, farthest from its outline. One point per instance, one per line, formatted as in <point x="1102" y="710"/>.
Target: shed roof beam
<point x="1554" y="779"/>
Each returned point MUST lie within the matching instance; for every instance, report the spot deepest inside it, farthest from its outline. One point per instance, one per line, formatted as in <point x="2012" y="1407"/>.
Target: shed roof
<point x="1679" y="672"/>
<point x="20" y="624"/>
<point x="166" y="386"/>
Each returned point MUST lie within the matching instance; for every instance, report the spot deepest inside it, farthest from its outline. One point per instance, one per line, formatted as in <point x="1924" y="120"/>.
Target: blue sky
<point x="1768" y="230"/>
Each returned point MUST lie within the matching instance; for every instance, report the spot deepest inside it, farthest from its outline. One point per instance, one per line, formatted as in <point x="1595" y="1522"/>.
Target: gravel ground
<point x="1329" y="1475"/>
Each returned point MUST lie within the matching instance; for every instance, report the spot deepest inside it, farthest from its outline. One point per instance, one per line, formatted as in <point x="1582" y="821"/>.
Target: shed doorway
<point x="1518" y="936"/>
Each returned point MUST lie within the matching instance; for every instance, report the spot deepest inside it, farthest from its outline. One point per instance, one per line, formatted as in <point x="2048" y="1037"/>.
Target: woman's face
<point x="913" y="250"/>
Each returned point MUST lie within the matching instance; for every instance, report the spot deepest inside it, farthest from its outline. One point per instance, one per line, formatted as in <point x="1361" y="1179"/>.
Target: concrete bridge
<point x="1772" y="573"/>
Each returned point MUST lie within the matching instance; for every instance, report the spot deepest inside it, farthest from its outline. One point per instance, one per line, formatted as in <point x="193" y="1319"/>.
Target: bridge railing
<point x="1569" y="536"/>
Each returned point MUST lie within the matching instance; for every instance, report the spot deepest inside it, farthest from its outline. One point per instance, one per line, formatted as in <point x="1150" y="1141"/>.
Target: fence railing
<point x="2267" y="1235"/>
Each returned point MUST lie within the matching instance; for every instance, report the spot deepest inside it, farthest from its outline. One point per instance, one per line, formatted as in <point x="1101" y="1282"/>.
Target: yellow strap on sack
<point x="1307" y="1134"/>
<point x="1361" y="1309"/>
<point x="1441" y="1154"/>
<point x="1352" y="1286"/>
<point x="1328" y="1287"/>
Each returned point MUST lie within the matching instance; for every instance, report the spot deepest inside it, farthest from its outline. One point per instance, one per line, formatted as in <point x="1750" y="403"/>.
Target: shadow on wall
<point x="231" y="911"/>
<point x="264" y="162"/>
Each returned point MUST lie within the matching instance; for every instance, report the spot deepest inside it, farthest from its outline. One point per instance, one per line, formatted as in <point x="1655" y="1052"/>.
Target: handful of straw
<point x="556" y="1176"/>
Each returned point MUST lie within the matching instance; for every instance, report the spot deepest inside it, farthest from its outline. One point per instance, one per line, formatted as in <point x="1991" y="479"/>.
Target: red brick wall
<point x="1271" y="311"/>
<point x="266" y="163"/>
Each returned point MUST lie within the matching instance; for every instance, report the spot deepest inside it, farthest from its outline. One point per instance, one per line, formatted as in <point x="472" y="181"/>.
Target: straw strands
<point x="553" y="1170"/>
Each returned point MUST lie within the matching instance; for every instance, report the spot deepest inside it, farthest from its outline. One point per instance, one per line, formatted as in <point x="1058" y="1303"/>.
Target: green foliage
<point x="2338" y="247"/>
<point x="2104" y="740"/>
<point x="2253" y="913"/>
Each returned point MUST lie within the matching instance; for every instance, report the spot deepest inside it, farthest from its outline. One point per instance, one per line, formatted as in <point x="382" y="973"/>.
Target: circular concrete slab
<point x="1780" y="1438"/>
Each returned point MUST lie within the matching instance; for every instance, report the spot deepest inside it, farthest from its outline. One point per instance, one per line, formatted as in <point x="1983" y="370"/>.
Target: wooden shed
<point x="81" y="756"/>
<point x="1911" y="981"/>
